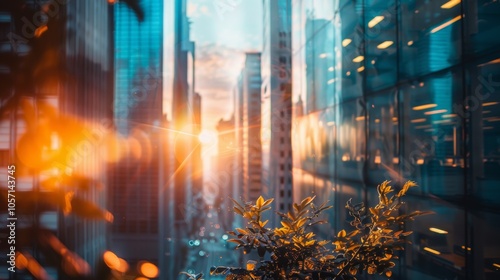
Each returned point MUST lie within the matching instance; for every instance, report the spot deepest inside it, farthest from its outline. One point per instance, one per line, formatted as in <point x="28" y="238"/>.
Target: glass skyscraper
<point x="404" y="90"/>
<point x="137" y="189"/>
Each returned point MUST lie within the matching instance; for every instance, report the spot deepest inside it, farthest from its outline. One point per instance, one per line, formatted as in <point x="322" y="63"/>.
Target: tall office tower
<point x="184" y="138"/>
<point x="415" y="96"/>
<point x="237" y="173"/>
<point x="199" y="212"/>
<point x="225" y="168"/>
<point x="138" y="177"/>
<point x="277" y="103"/>
<point x="250" y="125"/>
<point x="55" y="56"/>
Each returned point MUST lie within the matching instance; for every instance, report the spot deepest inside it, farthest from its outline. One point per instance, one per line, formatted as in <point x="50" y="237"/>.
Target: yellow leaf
<point x="242" y="231"/>
<point x="260" y="201"/>
<point x="388" y="273"/>
<point x="267" y="202"/>
<point x="301" y="222"/>
<point x="263" y="224"/>
<point x="341" y="233"/>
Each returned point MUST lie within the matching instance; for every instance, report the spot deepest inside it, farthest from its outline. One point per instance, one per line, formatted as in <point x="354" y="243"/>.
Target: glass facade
<point x="404" y="90"/>
<point x="136" y="179"/>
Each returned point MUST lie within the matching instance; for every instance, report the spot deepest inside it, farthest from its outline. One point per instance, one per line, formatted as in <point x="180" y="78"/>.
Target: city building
<point x="138" y="178"/>
<point x="185" y="137"/>
<point x="55" y="64"/>
<point x="411" y="93"/>
<point x="226" y="154"/>
<point x="250" y="126"/>
<point x="276" y="91"/>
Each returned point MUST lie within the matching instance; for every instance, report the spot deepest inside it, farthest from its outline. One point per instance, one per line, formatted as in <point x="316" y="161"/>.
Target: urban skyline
<point x="135" y="136"/>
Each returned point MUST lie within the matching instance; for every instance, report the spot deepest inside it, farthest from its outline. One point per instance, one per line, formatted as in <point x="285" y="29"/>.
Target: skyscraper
<point x="225" y="168"/>
<point x="250" y="126"/>
<point x="137" y="182"/>
<point x="277" y="103"/>
<point x="185" y="138"/>
<point x="55" y="64"/>
<point x="411" y="93"/>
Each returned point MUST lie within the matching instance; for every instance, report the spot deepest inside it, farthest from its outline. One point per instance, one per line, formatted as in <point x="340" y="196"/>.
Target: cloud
<point x="217" y="69"/>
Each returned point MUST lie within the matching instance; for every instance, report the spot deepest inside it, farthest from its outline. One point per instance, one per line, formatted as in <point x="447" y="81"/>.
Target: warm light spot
<point x="141" y="278"/>
<point x="40" y="30"/>
<point x="376" y="20"/>
<point x="418" y="120"/>
<point x="377" y="160"/>
<point x="423" y="126"/>
<point x="346" y="157"/>
<point x="148" y="269"/>
<point x="348" y="73"/>
<point x="377" y="120"/>
<point x="21" y="261"/>
<point x="395" y="160"/>
<point x="437" y="230"/>
<point x="123" y="267"/>
<point x="323" y="55"/>
<point x="423" y="107"/>
<point x="361" y="69"/>
<point x="346" y="42"/>
<point x="450" y="4"/>
<point x="435" y="112"/>
<point x="330" y="123"/>
<point x="489" y="104"/>
<point x="468" y="248"/>
<point x="251" y="265"/>
<point x="455" y="19"/>
<point x="360" y="118"/>
<point x="108" y="217"/>
<point x="420" y="161"/>
<point x="496" y="265"/>
<point x="207" y="137"/>
<point x="449" y="115"/>
<point x="394" y="119"/>
<point x="111" y="260"/>
<point x="358" y="58"/>
<point x="430" y="250"/>
<point x="494" y="119"/>
<point x="494" y="61"/>
<point x="410" y="43"/>
<point x="385" y="45"/>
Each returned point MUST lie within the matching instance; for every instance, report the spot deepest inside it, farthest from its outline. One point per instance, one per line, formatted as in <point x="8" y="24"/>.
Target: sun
<point x="207" y="137"/>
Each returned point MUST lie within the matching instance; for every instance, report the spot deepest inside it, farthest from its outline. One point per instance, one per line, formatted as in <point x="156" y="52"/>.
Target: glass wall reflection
<point x="405" y="90"/>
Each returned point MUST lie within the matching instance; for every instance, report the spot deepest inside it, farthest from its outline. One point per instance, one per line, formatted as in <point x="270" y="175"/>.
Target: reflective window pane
<point x="430" y="36"/>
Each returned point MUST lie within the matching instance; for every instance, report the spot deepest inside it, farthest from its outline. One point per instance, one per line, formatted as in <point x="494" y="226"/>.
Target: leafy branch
<point x="296" y="253"/>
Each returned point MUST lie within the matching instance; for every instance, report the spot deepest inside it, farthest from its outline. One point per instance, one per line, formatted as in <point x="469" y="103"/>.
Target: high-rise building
<point x="414" y="95"/>
<point x="54" y="63"/>
<point x="277" y="103"/>
<point x="250" y="126"/>
<point x="225" y="168"/>
<point x="138" y="179"/>
<point x="185" y="139"/>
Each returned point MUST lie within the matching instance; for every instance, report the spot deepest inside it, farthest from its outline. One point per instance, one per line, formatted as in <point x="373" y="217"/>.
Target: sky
<point x="223" y="30"/>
